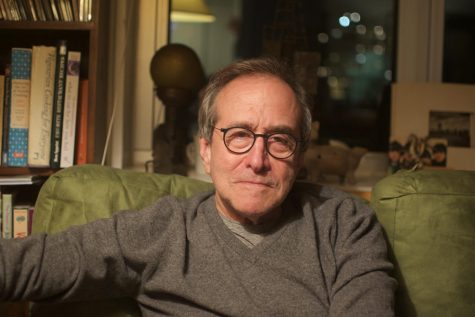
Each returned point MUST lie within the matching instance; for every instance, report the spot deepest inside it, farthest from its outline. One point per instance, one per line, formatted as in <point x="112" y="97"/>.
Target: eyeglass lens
<point x="240" y="140"/>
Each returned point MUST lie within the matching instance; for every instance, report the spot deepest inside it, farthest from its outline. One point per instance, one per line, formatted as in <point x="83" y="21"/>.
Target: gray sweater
<point x="177" y="257"/>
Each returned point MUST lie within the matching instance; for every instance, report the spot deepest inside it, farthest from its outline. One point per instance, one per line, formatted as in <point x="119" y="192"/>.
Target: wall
<point x="139" y="29"/>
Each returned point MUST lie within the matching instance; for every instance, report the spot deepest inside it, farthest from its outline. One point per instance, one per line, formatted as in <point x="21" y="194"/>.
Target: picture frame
<point x="411" y="108"/>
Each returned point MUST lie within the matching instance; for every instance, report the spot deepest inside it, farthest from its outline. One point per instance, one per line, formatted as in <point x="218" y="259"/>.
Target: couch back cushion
<point x="429" y="220"/>
<point x="81" y="194"/>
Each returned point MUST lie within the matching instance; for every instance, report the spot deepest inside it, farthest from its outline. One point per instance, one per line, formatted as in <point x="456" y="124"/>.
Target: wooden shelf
<point x="42" y="171"/>
<point x="49" y="25"/>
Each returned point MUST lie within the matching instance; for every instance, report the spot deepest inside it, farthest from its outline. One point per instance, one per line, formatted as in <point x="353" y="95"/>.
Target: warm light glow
<point x="190" y="11"/>
<point x="355" y="17"/>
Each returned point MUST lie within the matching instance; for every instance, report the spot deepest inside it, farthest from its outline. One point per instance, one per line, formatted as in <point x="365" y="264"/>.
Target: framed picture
<point x="437" y="111"/>
<point x="453" y="126"/>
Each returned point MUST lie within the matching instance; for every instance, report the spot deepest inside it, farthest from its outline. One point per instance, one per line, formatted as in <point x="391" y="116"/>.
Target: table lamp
<point x="178" y="76"/>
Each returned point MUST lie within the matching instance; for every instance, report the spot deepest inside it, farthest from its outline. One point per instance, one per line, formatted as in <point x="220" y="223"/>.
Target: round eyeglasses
<point x="240" y="140"/>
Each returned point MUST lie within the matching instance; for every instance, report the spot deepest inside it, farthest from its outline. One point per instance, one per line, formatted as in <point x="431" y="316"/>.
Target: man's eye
<point x="280" y="139"/>
<point x="240" y="134"/>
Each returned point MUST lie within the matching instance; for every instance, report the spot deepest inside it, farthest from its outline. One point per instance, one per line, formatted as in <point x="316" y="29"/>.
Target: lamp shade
<point x="190" y="11"/>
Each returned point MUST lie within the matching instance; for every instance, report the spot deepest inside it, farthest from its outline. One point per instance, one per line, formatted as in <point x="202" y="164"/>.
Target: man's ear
<point x="205" y="153"/>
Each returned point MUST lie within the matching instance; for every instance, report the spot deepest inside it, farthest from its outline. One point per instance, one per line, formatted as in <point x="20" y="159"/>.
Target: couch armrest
<point x="429" y="220"/>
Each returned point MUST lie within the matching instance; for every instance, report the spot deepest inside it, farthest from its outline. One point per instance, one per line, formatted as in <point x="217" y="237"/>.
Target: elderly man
<point x="256" y="246"/>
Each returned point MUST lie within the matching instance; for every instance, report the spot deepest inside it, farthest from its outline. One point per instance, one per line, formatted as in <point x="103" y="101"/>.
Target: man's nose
<point x="258" y="158"/>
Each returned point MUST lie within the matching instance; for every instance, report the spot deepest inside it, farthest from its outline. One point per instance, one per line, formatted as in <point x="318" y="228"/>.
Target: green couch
<point x="428" y="216"/>
<point x="429" y="220"/>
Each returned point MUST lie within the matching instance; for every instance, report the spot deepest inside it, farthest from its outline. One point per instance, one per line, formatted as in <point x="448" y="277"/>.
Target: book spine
<point x="41" y="105"/>
<point x="58" y="104"/>
<point x="2" y="102"/>
<point x="20" y="106"/>
<point x="48" y="11"/>
<point x="20" y="221"/>
<point x="70" y="109"/>
<point x="6" y="114"/>
<point x="81" y="141"/>
<point x="7" y="211"/>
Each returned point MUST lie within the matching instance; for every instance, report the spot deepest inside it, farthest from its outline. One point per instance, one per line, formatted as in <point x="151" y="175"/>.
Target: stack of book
<point x="16" y="220"/>
<point x="46" y="10"/>
<point x="44" y="107"/>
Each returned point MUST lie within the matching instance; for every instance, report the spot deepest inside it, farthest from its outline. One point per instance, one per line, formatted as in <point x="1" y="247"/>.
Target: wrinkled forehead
<point x="256" y="99"/>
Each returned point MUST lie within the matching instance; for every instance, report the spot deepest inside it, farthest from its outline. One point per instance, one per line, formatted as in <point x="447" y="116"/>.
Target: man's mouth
<point x="263" y="183"/>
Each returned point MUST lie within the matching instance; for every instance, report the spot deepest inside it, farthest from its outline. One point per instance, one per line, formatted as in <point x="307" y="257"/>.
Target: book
<point x="2" y="101"/>
<point x="43" y="67"/>
<point x="70" y="109"/>
<point x="24" y="179"/>
<point x="6" y="114"/>
<point x="19" y="107"/>
<point x="82" y="123"/>
<point x="54" y="10"/>
<point x="40" y="11"/>
<point x="20" y="219"/>
<point x="75" y="9"/>
<point x="3" y="12"/>
<point x="7" y="211"/>
<point x="48" y="10"/>
<point x="58" y="104"/>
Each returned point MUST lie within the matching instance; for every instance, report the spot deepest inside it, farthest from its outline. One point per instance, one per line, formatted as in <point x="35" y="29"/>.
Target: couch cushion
<point x="429" y="220"/>
<point x="80" y="194"/>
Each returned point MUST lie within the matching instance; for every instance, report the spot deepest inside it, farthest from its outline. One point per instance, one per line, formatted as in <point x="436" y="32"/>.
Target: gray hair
<point x="258" y="66"/>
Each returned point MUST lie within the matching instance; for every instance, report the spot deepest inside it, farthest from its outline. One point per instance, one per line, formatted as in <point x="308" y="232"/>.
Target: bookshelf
<point x="88" y="37"/>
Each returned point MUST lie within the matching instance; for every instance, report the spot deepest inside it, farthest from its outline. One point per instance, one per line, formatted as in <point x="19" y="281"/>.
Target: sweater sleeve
<point x="83" y="262"/>
<point x="362" y="286"/>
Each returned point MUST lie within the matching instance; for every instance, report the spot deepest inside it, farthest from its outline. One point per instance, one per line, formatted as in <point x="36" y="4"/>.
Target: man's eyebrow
<point x="241" y="124"/>
<point x="271" y="129"/>
<point x="274" y="128"/>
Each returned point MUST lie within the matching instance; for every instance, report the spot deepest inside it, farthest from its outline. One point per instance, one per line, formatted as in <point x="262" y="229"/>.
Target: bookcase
<point x="88" y="37"/>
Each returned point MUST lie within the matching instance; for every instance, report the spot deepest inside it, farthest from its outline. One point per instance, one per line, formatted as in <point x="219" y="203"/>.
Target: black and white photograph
<point x="452" y="126"/>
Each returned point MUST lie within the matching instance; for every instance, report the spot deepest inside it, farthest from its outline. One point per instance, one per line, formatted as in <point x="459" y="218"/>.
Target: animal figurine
<point x="336" y="158"/>
<point x="321" y="160"/>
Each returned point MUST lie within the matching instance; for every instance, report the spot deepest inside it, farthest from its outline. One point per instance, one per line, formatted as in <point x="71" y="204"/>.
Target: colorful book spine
<point x="7" y="213"/>
<point x="20" y="106"/>
<point x="58" y="104"/>
<point x="81" y="137"/>
<point x="41" y="105"/>
<point x="70" y="109"/>
<point x="20" y="221"/>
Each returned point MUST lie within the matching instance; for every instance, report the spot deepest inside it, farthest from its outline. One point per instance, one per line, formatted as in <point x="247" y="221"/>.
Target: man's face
<point x="250" y="187"/>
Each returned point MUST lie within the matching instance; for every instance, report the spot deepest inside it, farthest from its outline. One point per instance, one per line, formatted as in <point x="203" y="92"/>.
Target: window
<point x="351" y="62"/>
<point x="459" y="42"/>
